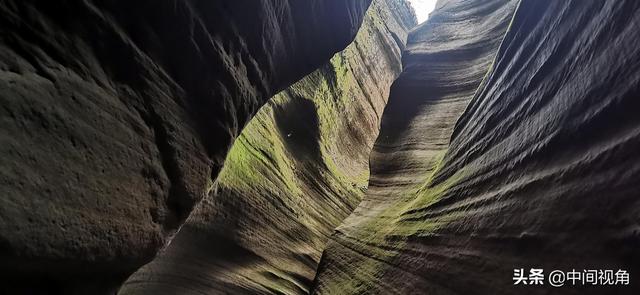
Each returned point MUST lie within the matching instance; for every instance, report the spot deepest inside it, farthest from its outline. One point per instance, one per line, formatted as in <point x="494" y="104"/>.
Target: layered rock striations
<point x="541" y="170"/>
<point x="116" y="114"/>
<point x="295" y="172"/>
<point x="510" y="140"/>
<point x="444" y="63"/>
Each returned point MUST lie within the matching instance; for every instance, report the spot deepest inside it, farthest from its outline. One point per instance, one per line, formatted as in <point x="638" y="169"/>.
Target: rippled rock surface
<point x="116" y="114"/>
<point x="542" y="168"/>
<point x="296" y="171"/>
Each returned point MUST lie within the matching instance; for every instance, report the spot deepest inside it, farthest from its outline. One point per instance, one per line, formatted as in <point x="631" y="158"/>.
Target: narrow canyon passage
<point x="297" y="170"/>
<point x="540" y="170"/>
<point x="319" y="147"/>
<point x="117" y="117"/>
<point x="445" y="61"/>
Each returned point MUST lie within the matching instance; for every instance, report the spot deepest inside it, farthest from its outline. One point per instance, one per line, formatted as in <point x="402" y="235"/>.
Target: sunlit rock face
<point x="535" y="167"/>
<point x="444" y="63"/>
<point x="510" y="140"/>
<point x="116" y="114"/>
<point x="296" y="171"/>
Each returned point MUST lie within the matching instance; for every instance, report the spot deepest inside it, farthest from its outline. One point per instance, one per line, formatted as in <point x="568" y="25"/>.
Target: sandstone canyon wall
<point x="296" y="171"/>
<point x="510" y="140"/>
<point x="537" y="166"/>
<point x="117" y="114"/>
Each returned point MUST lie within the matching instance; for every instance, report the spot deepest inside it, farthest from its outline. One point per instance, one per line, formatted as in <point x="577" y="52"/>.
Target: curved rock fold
<point x="295" y="172"/>
<point x="534" y="167"/>
<point x="116" y="114"/>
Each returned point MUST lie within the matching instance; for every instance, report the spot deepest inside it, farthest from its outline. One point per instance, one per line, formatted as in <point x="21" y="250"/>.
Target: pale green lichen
<point x="260" y="166"/>
<point x="259" y="148"/>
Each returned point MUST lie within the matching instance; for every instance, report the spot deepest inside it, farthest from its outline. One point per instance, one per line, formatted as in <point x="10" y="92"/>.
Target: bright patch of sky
<point x="423" y="8"/>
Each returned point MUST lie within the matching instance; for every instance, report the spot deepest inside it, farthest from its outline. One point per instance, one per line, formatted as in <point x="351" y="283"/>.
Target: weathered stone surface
<point x="296" y="171"/>
<point x="444" y="63"/>
<point x="116" y="114"/>
<point x="542" y="169"/>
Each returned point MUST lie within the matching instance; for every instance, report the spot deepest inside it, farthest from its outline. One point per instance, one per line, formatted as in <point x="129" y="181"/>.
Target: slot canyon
<point x="320" y="147"/>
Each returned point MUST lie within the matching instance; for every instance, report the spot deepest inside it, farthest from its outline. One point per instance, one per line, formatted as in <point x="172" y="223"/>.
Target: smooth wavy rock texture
<point x="116" y="114"/>
<point x="444" y="63"/>
<point x="296" y="171"/>
<point x="542" y="167"/>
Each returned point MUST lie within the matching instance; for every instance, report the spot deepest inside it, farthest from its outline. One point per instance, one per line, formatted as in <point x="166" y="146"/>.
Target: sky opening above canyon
<point x="423" y="8"/>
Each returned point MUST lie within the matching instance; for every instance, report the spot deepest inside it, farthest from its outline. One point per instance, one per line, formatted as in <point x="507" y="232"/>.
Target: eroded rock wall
<point x="542" y="168"/>
<point x="444" y="63"/>
<point x="295" y="172"/>
<point x="116" y="114"/>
